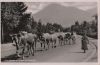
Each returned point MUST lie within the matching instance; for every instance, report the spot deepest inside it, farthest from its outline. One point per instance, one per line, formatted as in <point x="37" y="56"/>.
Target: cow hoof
<point x="22" y="58"/>
<point x="84" y="52"/>
<point x="18" y="56"/>
<point x="32" y="54"/>
<point x="27" y="56"/>
<point x="42" y="50"/>
<point x="46" y="49"/>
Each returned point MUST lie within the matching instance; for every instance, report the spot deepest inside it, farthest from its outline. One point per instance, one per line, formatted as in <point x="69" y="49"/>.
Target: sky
<point x="35" y="7"/>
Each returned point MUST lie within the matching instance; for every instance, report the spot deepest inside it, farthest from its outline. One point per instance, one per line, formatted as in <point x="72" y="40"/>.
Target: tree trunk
<point x="2" y="34"/>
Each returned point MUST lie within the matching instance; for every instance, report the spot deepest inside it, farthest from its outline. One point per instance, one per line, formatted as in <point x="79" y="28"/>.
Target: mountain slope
<point x="92" y="11"/>
<point x="65" y="16"/>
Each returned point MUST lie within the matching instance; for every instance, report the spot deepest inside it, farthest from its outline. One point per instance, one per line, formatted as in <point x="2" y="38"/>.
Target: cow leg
<point x="44" y="45"/>
<point x="28" y="50"/>
<point x="41" y="45"/>
<point x="32" y="48"/>
<point x="59" y="43"/>
<point x="48" y="44"/>
<point x="69" y="41"/>
<point x="64" y="42"/>
<point x="74" y="41"/>
<point x="23" y="52"/>
<point x="54" y="43"/>
<point x="84" y="51"/>
<point x="35" y="45"/>
<point x="17" y="50"/>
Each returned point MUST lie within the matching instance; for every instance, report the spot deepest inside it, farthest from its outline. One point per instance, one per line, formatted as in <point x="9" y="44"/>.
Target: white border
<point x="48" y="0"/>
<point x="98" y="1"/>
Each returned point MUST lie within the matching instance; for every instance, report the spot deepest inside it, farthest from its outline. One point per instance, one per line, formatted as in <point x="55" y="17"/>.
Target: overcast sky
<point x="35" y="7"/>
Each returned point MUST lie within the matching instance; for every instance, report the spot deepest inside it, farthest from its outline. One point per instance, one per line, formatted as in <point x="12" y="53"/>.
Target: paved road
<point x="66" y="53"/>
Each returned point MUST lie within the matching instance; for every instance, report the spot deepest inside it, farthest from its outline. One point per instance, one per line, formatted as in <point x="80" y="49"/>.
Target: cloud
<point x="35" y="7"/>
<point x="81" y="5"/>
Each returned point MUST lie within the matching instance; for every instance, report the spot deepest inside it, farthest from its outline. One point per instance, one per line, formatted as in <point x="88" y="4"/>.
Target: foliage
<point x="90" y="28"/>
<point x="11" y="13"/>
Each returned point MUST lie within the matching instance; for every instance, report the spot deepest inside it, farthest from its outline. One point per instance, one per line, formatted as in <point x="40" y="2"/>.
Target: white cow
<point x="50" y="39"/>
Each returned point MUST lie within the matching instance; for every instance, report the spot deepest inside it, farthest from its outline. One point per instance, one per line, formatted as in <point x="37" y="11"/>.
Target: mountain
<point x="92" y="11"/>
<point x="60" y="14"/>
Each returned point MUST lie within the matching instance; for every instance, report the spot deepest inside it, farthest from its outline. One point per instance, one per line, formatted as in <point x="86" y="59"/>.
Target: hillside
<point x="65" y="16"/>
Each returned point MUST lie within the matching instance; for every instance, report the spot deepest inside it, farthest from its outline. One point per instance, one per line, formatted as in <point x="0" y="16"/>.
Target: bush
<point x="93" y="35"/>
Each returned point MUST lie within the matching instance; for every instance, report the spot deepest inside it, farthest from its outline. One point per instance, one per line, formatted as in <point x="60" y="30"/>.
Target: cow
<point x="25" y="42"/>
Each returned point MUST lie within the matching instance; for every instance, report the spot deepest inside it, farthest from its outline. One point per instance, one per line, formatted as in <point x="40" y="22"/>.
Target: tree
<point x="76" y="23"/>
<point x="11" y="13"/>
<point x="96" y="22"/>
<point x="24" y="22"/>
<point x="84" y="23"/>
<point x="39" y="28"/>
<point x="33" y="23"/>
<point x="96" y="17"/>
<point x="68" y="29"/>
<point x="57" y="27"/>
<point x="72" y="27"/>
<point x="75" y="27"/>
<point x="49" y="27"/>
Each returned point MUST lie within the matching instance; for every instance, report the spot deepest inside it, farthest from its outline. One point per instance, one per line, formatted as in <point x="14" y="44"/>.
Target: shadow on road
<point x="11" y="57"/>
<point x="77" y="52"/>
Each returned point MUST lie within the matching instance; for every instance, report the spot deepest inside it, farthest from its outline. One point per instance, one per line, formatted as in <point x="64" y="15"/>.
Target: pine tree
<point x="11" y="12"/>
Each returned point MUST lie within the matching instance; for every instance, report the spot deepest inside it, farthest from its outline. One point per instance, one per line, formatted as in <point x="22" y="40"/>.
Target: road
<point x="66" y="53"/>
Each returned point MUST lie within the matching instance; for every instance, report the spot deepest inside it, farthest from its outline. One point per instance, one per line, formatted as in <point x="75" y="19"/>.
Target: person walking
<point x="85" y="41"/>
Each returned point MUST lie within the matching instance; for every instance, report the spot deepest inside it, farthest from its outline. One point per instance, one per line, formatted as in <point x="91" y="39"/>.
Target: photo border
<point x="82" y="63"/>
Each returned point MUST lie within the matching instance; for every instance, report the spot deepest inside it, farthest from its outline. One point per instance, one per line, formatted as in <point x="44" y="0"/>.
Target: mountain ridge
<point x="60" y="14"/>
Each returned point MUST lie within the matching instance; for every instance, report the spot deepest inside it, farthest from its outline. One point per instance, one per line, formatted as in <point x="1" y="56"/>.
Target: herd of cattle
<point x="27" y="42"/>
